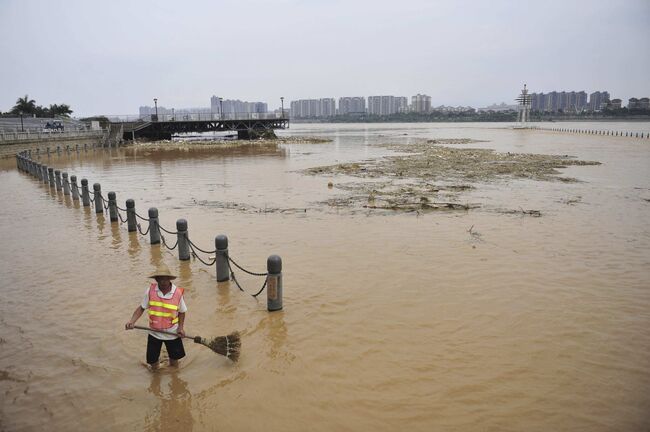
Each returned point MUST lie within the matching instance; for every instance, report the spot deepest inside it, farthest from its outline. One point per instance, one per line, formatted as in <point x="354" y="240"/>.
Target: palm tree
<point x="24" y="105"/>
<point x="61" y="110"/>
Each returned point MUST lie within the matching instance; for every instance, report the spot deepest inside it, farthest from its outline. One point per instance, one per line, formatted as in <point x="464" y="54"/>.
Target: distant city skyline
<point x="458" y="52"/>
<point x="553" y="101"/>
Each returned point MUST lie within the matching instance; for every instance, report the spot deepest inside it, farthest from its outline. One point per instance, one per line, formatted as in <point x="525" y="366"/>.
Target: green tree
<point x="24" y="105"/>
<point x="60" y="110"/>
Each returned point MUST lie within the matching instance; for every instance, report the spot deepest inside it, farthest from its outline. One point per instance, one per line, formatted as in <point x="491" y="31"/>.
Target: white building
<point x="232" y="106"/>
<point x="386" y="105"/>
<point x="313" y="108"/>
<point x="352" y="105"/>
<point x="421" y="103"/>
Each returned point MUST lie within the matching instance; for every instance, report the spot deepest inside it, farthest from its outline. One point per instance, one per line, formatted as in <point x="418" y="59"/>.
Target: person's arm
<point x="137" y="313"/>
<point x="181" y="321"/>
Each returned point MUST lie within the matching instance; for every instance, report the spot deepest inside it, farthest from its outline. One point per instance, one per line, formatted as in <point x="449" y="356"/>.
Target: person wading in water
<point x="166" y="307"/>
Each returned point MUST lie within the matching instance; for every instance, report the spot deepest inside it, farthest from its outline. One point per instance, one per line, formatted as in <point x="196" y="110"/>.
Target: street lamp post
<point x="282" y="106"/>
<point x="22" y="128"/>
<point x="173" y="116"/>
<point x="221" y="107"/>
<point x="155" y="102"/>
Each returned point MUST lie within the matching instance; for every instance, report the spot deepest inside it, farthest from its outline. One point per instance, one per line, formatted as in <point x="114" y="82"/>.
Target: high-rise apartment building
<point x="597" y="100"/>
<point x="313" y="108"/>
<point x="421" y="103"/>
<point x="352" y="105"/>
<point x="386" y="105"/>
<point x="559" y="101"/>
<point x="231" y="106"/>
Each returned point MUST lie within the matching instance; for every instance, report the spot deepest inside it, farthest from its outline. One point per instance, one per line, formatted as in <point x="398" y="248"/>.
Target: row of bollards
<point x="68" y="186"/>
<point x="604" y="132"/>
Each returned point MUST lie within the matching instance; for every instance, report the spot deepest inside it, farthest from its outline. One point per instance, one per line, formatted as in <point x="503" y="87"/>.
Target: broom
<point x="228" y="346"/>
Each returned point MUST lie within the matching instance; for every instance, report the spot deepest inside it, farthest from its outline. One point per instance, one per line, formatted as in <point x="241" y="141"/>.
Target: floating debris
<point x="429" y="171"/>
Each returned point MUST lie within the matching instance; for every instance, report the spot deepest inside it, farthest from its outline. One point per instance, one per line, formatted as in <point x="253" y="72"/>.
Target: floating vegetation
<point x="431" y="176"/>
<point x="246" y="208"/>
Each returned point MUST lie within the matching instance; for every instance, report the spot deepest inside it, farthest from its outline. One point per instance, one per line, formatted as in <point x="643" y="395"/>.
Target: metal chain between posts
<point x="140" y="229"/>
<point x="142" y="218"/>
<point x="162" y="237"/>
<point x="195" y="255"/>
<point x="120" y="208"/>
<point x="120" y="216"/>
<point x="234" y="278"/>
<point x="168" y="232"/>
<point x="198" y="248"/>
<point x="244" y="270"/>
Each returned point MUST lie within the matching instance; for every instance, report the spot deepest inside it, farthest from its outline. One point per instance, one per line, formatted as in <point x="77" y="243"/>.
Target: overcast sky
<point x="111" y="57"/>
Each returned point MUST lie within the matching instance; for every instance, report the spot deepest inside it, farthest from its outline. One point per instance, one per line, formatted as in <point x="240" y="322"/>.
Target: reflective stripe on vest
<point x="163" y="313"/>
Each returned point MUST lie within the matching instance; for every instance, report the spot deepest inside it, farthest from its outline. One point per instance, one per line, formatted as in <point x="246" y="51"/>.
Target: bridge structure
<point x="246" y="125"/>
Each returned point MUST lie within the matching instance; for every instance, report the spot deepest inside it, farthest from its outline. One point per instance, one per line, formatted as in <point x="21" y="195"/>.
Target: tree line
<point x="27" y="107"/>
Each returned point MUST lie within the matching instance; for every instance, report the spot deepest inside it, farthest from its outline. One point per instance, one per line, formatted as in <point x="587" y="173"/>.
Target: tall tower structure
<point x="525" y="101"/>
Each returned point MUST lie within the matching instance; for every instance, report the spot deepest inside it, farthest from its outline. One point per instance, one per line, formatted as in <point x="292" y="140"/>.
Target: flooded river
<point x="479" y="320"/>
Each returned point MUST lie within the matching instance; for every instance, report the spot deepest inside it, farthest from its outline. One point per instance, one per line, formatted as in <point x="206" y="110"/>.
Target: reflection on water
<point x="174" y="411"/>
<point x="472" y="320"/>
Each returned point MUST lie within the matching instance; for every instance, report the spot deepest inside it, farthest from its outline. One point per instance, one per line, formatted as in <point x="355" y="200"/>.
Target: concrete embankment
<point x="11" y="143"/>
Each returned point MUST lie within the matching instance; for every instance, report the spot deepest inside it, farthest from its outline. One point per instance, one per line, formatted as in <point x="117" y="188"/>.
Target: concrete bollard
<point x="39" y="171"/>
<point x="223" y="269"/>
<point x="154" y="227"/>
<point x="76" y="147"/>
<point x="48" y="152"/>
<point x="74" y="187"/>
<point x="85" y="147"/>
<point x="183" y="244"/>
<point x="58" y="150"/>
<point x="44" y="168"/>
<point x="57" y="175"/>
<point x="274" y="283"/>
<point x="97" y="196"/>
<point x="66" y="184"/>
<point x="50" y="176"/>
<point x="130" y="216"/>
<point x="112" y="206"/>
<point x="85" y="195"/>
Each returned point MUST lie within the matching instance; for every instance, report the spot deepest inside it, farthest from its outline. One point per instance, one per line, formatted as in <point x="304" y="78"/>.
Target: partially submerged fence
<point x="600" y="132"/>
<point x="219" y="257"/>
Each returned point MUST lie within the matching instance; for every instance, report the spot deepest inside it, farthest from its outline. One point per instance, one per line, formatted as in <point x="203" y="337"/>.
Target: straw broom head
<point x="228" y="346"/>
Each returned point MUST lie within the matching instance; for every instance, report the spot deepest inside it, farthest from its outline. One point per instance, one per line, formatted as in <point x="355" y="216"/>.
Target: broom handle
<point x="162" y="331"/>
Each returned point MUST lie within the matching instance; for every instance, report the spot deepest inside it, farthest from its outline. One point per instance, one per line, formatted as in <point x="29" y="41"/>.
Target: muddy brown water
<point x="391" y="320"/>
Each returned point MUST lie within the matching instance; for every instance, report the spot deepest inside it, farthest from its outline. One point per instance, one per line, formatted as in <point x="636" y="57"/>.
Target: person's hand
<point x="128" y="326"/>
<point x="181" y="332"/>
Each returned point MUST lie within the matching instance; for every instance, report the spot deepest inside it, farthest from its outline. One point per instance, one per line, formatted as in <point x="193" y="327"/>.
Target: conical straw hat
<point x="162" y="270"/>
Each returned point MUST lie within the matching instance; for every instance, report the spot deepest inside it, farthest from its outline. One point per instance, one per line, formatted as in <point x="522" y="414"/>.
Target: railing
<point x="42" y="135"/>
<point x="198" y="116"/>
